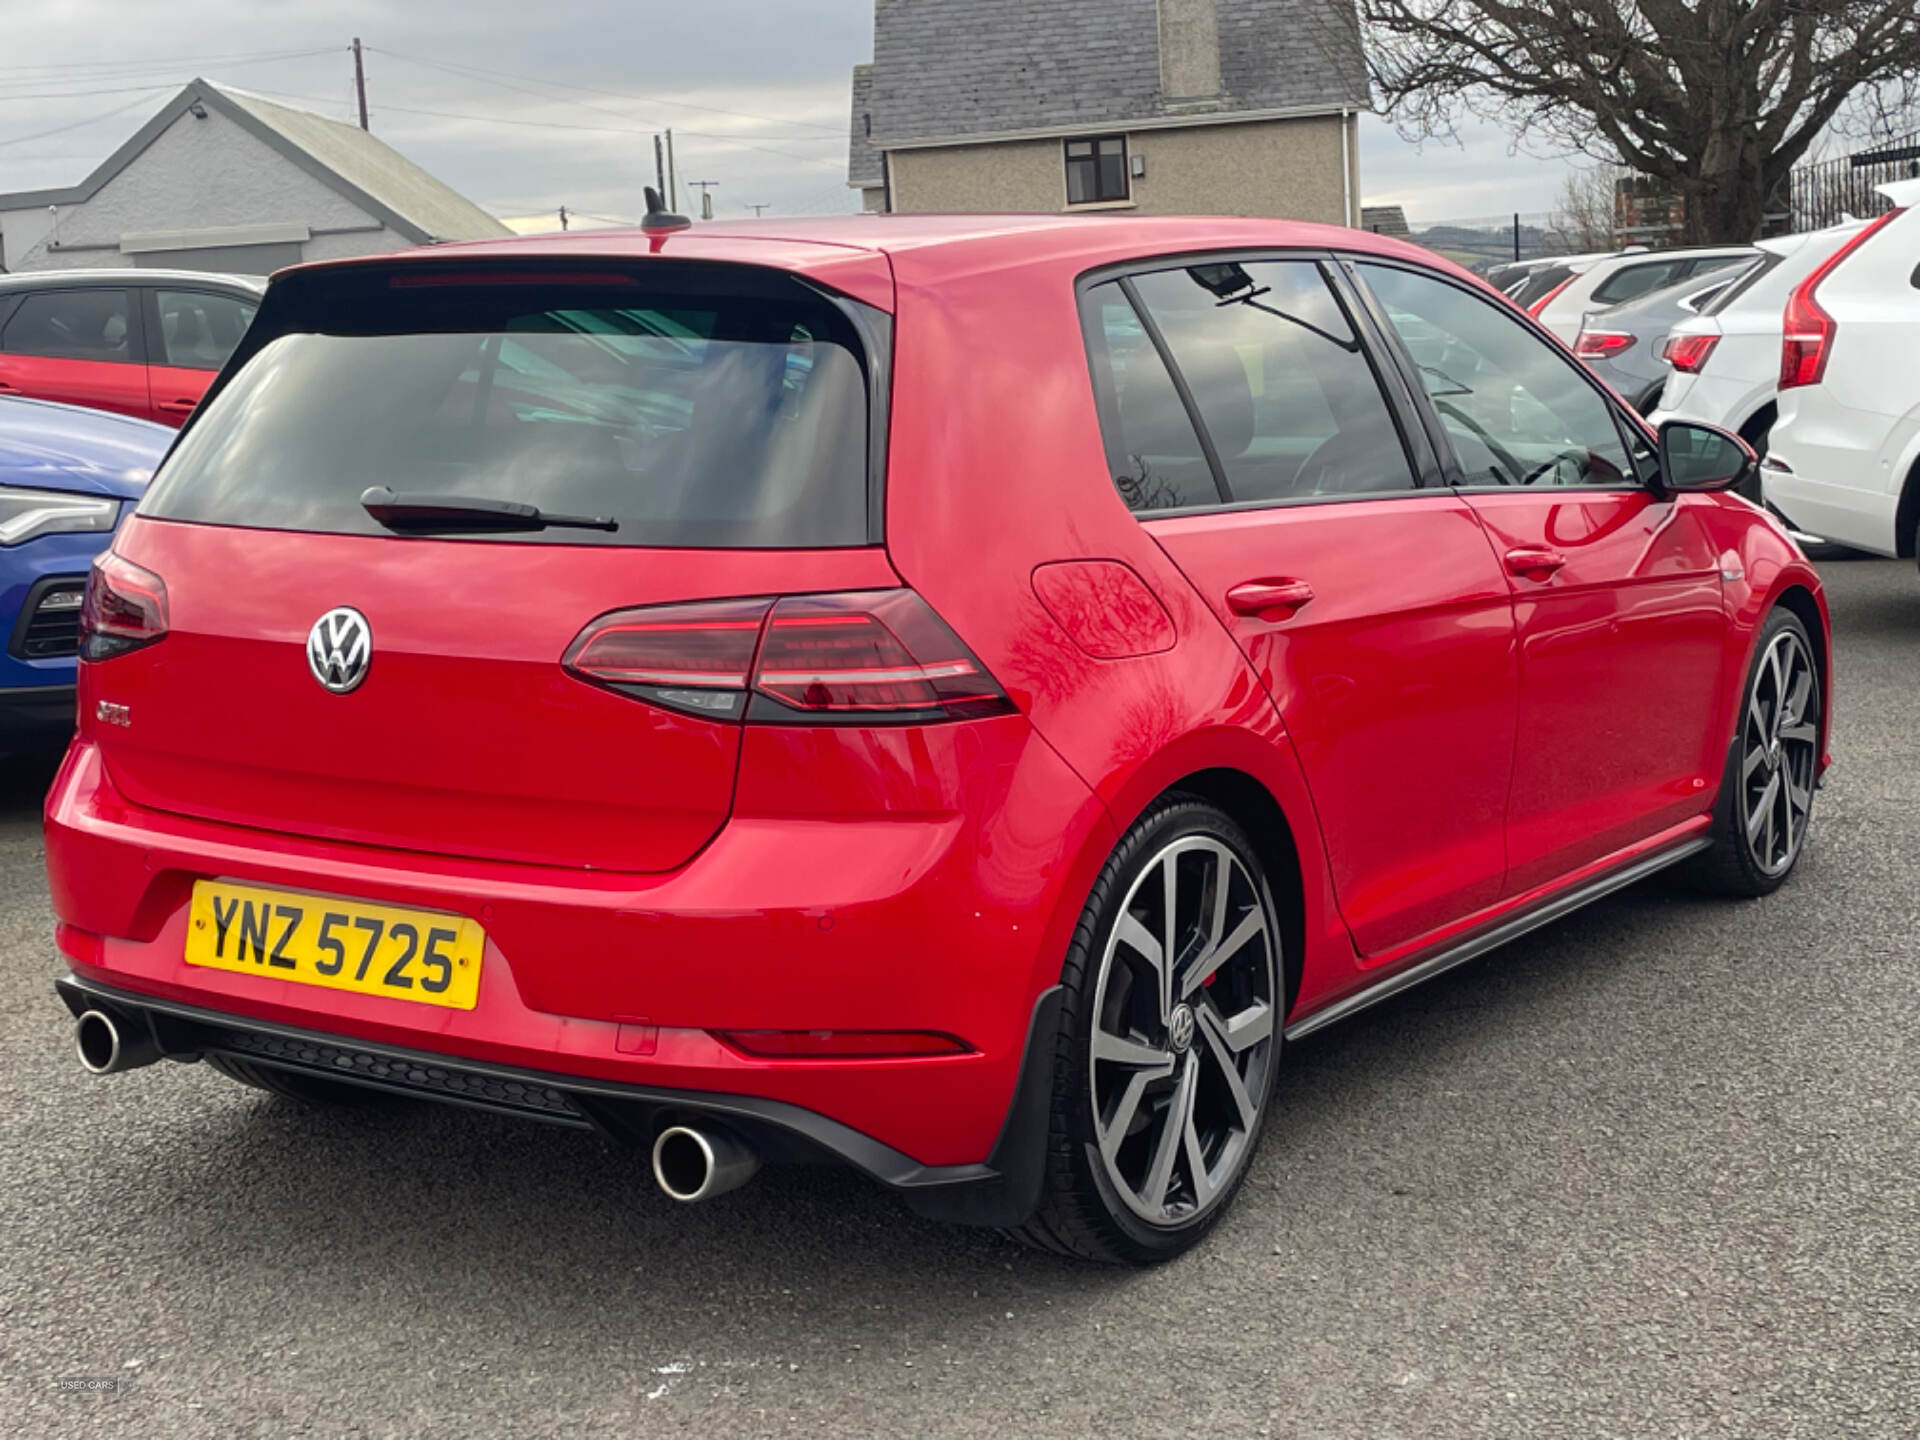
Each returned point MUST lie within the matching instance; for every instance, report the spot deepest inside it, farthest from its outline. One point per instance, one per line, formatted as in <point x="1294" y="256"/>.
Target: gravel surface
<point x="1649" y="1172"/>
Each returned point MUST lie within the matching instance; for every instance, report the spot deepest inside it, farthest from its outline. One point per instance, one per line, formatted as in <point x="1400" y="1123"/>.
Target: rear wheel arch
<point x="1253" y="807"/>
<point x="1906" y="520"/>
<point x="1760" y="424"/>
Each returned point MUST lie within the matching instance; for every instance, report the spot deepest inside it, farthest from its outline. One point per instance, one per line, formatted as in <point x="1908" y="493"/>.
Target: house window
<point x="1097" y="170"/>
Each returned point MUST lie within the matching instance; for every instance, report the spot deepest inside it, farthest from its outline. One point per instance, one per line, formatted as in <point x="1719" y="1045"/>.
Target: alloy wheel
<point x="1779" y="753"/>
<point x="1185" y="1031"/>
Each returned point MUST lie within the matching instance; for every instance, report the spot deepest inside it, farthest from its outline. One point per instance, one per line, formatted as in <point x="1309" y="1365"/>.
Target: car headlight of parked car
<point x="28" y="514"/>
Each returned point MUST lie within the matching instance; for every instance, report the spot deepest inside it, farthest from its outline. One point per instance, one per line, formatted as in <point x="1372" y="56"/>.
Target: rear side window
<point x="199" y="329"/>
<point x="689" y="419"/>
<point x="1288" y="397"/>
<point x="71" y="325"/>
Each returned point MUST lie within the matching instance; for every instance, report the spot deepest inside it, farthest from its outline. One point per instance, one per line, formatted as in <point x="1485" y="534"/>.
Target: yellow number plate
<point x="341" y="944"/>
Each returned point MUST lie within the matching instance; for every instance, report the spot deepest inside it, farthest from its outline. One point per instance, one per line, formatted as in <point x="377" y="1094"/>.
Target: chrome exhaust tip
<point x="108" y="1045"/>
<point x="690" y="1164"/>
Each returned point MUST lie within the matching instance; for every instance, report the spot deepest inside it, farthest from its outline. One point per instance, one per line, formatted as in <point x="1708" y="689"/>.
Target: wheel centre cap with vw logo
<point x="1180" y="1029"/>
<point x="340" y="649"/>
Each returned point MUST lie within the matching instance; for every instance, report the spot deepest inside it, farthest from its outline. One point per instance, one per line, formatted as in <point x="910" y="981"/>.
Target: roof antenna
<point x="658" y="217"/>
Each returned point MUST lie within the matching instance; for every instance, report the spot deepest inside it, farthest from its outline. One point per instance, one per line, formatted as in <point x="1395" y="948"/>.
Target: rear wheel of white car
<point x="1168" y="1041"/>
<point x="1766" y="797"/>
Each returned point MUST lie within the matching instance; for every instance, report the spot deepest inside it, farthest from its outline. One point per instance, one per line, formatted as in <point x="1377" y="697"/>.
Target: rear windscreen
<point x="686" y="419"/>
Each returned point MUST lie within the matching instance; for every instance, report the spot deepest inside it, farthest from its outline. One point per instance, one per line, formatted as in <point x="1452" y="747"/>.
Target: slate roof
<point x="1385" y="220"/>
<point x="863" y="161"/>
<point x="364" y="169"/>
<point x="980" y="68"/>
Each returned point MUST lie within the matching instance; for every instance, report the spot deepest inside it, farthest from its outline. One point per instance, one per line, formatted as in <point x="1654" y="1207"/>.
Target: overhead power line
<point x="91" y="119"/>
<point x="121" y="69"/>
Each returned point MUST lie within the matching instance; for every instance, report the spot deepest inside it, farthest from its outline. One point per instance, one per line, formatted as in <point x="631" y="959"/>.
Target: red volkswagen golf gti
<point x="950" y="695"/>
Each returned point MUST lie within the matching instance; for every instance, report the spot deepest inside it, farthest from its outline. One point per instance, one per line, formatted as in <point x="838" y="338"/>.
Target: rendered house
<point x="223" y="180"/>
<point x="1231" y="107"/>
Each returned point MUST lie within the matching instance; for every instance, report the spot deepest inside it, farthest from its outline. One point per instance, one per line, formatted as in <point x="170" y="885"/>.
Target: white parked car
<point x="1844" y="462"/>
<point x="1724" y="363"/>
<point x="1618" y="278"/>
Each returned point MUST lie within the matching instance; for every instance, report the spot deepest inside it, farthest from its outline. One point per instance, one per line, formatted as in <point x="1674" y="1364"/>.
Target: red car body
<point x="145" y="343"/>
<point x="1438" y="749"/>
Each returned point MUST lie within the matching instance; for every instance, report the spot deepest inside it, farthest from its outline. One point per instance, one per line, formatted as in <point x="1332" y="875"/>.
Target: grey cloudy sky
<point x="526" y="105"/>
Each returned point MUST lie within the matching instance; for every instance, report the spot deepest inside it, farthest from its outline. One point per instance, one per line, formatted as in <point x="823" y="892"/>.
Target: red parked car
<point x="953" y="695"/>
<point x="141" y="342"/>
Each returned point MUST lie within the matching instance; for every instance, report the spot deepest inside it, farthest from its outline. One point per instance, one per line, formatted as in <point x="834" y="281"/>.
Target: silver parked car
<point x="1622" y="345"/>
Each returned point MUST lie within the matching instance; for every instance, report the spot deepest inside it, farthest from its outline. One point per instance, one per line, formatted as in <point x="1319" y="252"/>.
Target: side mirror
<point x="1703" y="457"/>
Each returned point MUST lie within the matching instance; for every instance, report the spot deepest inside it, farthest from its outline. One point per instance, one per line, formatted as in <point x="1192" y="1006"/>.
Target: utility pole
<point x="759" y="210"/>
<point x="360" y="81"/>
<point x="673" y="186"/>
<point x="706" y="189"/>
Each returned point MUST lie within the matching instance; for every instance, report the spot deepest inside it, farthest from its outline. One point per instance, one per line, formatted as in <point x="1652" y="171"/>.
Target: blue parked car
<point x="67" y="475"/>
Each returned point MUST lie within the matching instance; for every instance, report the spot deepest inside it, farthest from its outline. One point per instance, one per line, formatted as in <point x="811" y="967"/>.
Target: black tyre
<point x="1169" y="1036"/>
<point x="1765" y="808"/>
<point x="307" y="1089"/>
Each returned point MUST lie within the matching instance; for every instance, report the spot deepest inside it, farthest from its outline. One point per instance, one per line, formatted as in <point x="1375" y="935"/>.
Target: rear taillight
<point x="697" y="659"/>
<point x="870" y="656"/>
<point x="1807" y="331"/>
<point x="1547" y="299"/>
<point x="1688" y="353"/>
<point x="125" y="608"/>
<point x="1601" y="344"/>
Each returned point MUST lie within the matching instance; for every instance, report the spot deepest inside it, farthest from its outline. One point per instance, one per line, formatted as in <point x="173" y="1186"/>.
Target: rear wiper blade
<point x="408" y="511"/>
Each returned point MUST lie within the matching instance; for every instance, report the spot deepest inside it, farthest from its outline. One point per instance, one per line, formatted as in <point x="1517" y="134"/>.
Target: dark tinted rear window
<point x="709" y="420"/>
<point x="1543" y="280"/>
<point x="1630" y="281"/>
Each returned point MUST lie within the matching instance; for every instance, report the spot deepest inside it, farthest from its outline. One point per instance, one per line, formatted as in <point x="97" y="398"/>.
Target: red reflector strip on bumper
<point x="841" y="1044"/>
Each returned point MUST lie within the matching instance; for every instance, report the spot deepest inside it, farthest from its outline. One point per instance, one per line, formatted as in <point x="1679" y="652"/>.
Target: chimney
<point x="1189" y="51"/>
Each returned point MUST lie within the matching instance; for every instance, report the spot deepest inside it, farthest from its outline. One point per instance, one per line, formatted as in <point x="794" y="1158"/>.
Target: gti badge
<point x="340" y="649"/>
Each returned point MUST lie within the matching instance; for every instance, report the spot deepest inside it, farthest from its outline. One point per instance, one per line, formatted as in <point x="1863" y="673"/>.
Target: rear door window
<point x="705" y="420"/>
<point x="1153" y="452"/>
<point x="1281" y="380"/>
<point x="93" y="324"/>
<point x="199" y="329"/>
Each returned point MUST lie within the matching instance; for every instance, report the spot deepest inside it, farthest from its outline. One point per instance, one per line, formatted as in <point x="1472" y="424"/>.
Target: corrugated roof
<point x="375" y="168"/>
<point x="976" y="68"/>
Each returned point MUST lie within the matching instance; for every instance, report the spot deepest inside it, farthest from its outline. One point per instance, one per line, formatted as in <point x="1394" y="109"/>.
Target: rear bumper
<point x="1002" y="1190"/>
<point x="952" y="921"/>
<point x="1837" y="494"/>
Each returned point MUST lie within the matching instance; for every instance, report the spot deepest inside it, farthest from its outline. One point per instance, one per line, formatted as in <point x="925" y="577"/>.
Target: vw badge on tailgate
<point x="340" y="649"/>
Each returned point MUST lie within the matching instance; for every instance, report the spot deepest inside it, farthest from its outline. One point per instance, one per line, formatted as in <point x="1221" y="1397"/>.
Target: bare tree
<point x="1717" y="98"/>
<point x="1583" y="220"/>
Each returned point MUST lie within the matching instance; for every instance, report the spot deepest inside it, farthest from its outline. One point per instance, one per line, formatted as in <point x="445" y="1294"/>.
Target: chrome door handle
<point x="1269" y="599"/>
